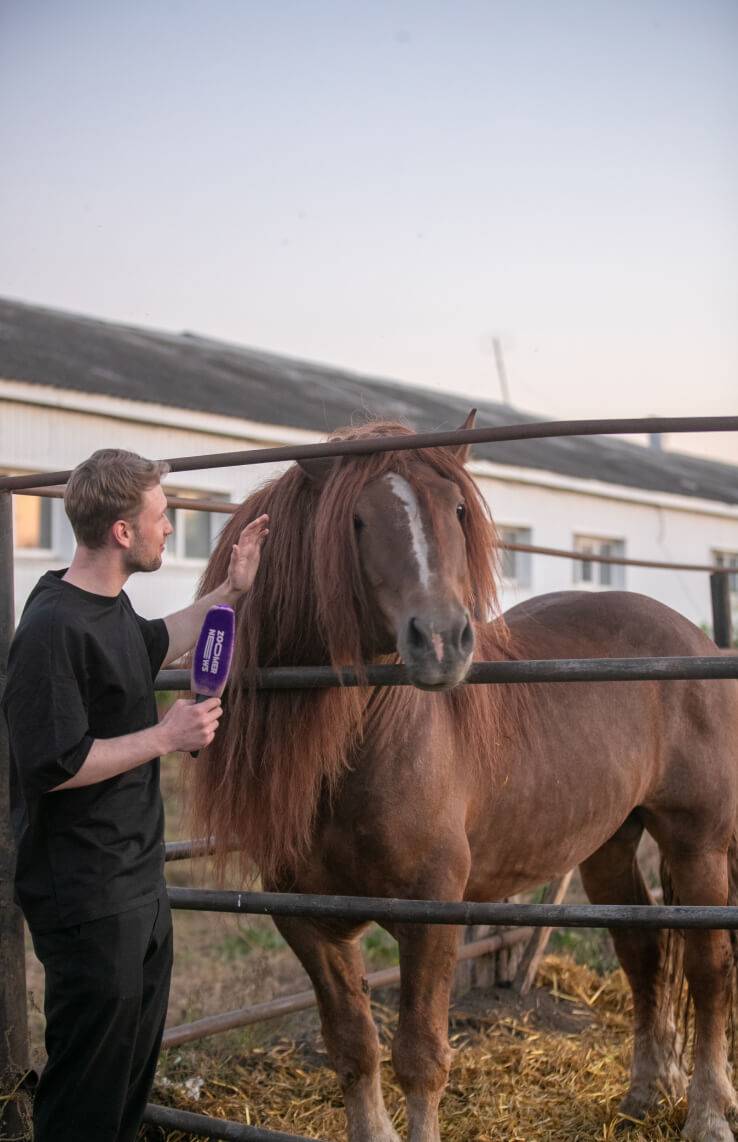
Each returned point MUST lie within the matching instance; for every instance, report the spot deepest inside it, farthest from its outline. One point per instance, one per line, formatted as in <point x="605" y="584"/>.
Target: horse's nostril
<point x="467" y="638"/>
<point x="415" y="636"/>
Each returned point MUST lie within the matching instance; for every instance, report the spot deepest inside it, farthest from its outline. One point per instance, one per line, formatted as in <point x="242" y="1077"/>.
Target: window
<point x="728" y="559"/>
<point x="589" y="573"/>
<point x="516" y="565"/>
<point x="32" y="523"/>
<point x="194" y="531"/>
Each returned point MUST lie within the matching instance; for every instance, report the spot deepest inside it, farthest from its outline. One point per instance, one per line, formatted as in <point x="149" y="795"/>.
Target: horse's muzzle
<point x="437" y="654"/>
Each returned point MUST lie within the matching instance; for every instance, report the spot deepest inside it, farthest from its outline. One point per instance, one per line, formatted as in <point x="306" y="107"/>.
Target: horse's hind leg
<point x="333" y="960"/>
<point x="612" y="876"/>
<point x="700" y="877"/>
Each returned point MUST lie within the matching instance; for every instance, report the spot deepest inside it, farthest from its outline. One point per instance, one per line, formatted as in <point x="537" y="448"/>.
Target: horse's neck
<point x="494" y="642"/>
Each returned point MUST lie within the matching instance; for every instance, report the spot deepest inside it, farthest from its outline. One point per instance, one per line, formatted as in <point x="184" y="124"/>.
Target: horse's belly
<point x="515" y="868"/>
<point x="502" y="865"/>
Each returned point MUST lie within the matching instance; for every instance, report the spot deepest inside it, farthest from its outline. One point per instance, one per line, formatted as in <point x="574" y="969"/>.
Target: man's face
<point x="150" y="530"/>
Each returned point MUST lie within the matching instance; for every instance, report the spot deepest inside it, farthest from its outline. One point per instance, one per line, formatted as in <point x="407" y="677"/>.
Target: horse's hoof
<point x="639" y="1100"/>
<point x="644" y="1095"/>
<point x="709" y="1127"/>
<point x="635" y="1104"/>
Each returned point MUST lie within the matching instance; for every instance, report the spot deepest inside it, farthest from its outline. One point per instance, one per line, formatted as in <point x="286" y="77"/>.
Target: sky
<point x="389" y="185"/>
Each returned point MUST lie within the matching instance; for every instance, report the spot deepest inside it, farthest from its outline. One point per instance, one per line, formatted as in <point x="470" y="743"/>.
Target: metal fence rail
<point x="385" y="910"/>
<point x="485" y="673"/>
<point x="40" y="485"/>
<point x="227" y="507"/>
<point x="203" y="1127"/>
<point x="535" y="430"/>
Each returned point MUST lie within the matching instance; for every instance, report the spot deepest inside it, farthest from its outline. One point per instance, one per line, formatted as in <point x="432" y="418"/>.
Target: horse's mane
<point x="278" y="753"/>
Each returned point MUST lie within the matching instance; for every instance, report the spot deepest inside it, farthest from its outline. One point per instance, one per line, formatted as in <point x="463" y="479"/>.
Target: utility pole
<point x="501" y="374"/>
<point x="13" y="1017"/>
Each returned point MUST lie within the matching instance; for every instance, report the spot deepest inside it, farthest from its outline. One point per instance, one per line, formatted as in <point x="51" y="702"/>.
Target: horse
<point x="448" y="792"/>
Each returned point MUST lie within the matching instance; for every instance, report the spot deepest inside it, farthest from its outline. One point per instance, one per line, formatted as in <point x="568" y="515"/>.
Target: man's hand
<point x="189" y="725"/>
<point x="184" y="626"/>
<point x="245" y="555"/>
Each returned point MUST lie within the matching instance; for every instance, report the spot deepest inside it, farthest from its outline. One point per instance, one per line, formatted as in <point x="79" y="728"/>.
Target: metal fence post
<point x="722" y="620"/>
<point x="13" y="1011"/>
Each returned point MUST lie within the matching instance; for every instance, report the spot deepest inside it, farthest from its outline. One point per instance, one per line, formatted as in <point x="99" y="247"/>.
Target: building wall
<point x="52" y="430"/>
<point x="38" y="437"/>
<point x="658" y="528"/>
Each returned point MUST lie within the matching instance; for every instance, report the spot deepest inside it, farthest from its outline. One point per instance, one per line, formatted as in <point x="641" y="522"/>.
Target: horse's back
<point x="602" y="624"/>
<point x="668" y="720"/>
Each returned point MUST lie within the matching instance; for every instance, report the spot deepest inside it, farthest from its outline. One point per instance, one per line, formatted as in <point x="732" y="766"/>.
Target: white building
<point x="69" y="385"/>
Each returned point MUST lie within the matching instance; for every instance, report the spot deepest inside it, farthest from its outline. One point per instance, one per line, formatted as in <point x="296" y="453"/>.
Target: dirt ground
<point x="548" y="1067"/>
<point x="224" y="962"/>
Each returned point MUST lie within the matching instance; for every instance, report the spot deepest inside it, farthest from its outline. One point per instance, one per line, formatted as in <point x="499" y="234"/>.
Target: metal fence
<point x="14" y="1044"/>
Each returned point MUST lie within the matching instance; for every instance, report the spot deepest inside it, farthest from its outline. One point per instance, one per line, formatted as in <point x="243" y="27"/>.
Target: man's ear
<point x="122" y="533"/>
<point x="461" y="451"/>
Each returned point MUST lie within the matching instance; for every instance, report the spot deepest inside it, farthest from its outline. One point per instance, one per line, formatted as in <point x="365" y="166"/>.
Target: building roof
<point x="51" y="347"/>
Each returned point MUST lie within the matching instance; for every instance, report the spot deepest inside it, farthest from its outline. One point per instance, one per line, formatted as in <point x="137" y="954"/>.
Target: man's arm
<point x="186" y="726"/>
<point x="184" y="626"/>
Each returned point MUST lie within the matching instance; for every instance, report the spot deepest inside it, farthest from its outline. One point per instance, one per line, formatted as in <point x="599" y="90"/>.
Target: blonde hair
<point x="107" y="487"/>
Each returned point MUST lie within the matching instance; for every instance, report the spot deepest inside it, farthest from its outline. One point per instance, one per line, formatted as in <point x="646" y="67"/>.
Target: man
<point x="86" y="808"/>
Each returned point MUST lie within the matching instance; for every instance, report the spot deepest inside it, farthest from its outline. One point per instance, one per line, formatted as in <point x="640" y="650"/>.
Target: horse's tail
<point x="675" y="949"/>
<point x="733" y="901"/>
<point x="676" y="990"/>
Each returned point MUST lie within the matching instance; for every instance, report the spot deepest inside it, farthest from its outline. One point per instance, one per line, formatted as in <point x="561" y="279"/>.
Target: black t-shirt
<point x="81" y="667"/>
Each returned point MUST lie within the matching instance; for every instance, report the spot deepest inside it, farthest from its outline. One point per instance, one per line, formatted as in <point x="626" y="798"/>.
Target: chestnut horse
<point x="448" y="792"/>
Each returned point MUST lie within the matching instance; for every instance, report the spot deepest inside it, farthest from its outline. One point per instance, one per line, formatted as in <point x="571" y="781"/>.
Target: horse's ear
<point x="461" y="451"/>
<point x="318" y="468"/>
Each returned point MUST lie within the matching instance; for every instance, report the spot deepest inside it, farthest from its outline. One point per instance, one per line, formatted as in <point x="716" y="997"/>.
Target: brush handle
<point x="199" y="698"/>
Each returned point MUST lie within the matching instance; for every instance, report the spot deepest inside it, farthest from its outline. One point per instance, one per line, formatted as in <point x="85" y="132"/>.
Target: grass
<point x="587" y="946"/>
<point x="247" y="940"/>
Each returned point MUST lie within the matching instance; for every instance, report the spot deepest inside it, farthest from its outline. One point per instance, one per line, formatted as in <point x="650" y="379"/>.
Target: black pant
<point x="107" y="985"/>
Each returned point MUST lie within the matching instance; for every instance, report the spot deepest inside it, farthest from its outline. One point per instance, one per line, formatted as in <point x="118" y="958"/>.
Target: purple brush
<point x="212" y="657"/>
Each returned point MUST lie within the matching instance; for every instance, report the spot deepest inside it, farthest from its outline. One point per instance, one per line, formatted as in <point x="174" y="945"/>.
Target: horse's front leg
<point x="332" y="957"/>
<point x="420" y="1050"/>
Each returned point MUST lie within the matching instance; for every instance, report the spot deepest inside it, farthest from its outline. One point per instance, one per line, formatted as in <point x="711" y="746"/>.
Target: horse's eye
<point x="358" y="524"/>
<point x="460" y="513"/>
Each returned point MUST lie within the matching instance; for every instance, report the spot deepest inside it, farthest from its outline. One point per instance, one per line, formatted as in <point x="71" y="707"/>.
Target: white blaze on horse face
<point x="406" y="495"/>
